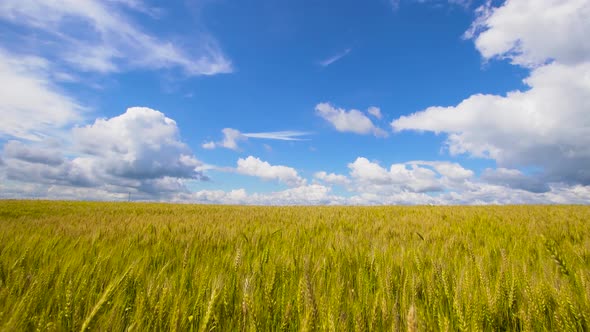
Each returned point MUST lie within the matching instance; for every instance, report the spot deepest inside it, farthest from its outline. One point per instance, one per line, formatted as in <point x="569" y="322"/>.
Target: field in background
<point x="129" y="266"/>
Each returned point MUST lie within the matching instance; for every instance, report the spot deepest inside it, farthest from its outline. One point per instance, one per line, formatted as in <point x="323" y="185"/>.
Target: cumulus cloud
<point x="401" y="198"/>
<point x="89" y="36"/>
<point x="444" y="183"/>
<point x="31" y="106"/>
<point x="255" y="167"/>
<point x="576" y="194"/>
<point x="139" y="151"/>
<point x="546" y="126"/>
<point x="437" y="182"/>
<point x="332" y="178"/>
<point x="313" y="194"/>
<point x="99" y="36"/>
<point x="481" y="193"/>
<point x="352" y="121"/>
<point x="370" y="177"/>
<point x="231" y="138"/>
<point x="531" y="32"/>
<point x="140" y="144"/>
<point x="416" y="182"/>
<point x="476" y="194"/>
<point x="305" y="194"/>
<point x="449" y="170"/>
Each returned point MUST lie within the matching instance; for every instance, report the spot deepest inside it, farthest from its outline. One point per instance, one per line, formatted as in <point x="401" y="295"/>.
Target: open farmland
<point x="130" y="266"/>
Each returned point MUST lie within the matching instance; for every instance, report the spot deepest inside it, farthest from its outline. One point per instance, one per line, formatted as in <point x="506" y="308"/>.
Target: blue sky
<point x="296" y="102"/>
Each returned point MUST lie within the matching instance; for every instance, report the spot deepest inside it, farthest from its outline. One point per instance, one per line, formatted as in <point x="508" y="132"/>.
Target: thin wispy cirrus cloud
<point x="32" y="106"/>
<point x="332" y="59"/>
<point x="232" y="137"/>
<point x="99" y="36"/>
<point x="525" y="143"/>
<point x="395" y="4"/>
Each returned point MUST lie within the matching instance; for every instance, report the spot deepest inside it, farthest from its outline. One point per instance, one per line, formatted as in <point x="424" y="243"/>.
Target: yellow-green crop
<point x="68" y="266"/>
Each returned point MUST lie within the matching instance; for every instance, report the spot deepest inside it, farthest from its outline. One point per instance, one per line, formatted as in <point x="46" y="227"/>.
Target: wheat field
<point x="74" y="266"/>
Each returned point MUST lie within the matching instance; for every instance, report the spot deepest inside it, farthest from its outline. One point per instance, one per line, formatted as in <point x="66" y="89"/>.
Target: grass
<point x="68" y="266"/>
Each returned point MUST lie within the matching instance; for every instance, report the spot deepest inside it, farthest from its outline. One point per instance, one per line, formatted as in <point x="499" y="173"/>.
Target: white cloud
<point x="139" y="152"/>
<point x="417" y="182"/>
<point x="353" y="121"/>
<point x="231" y="137"/>
<point x="140" y="144"/>
<point x="287" y="135"/>
<point x="141" y="7"/>
<point x="375" y="111"/>
<point x="413" y="182"/>
<point x="438" y="182"/>
<point x="255" y="167"/>
<point x="451" y="171"/>
<point x="479" y="193"/>
<point x="237" y="196"/>
<point x="401" y="198"/>
<point x="44" y="191"/>
<point x="328" y="61"/>
<point x="31" y="106"/>
<point x="313" y="194"/>
<point x="576" y="194"/>
<point x="367" y="177"/>
<point x="209" y="145"/>
<point x="367" y="171"/>
<point x="462" y="3"/>
<point x="95" y="35"/>
<point x="230" y="140"/>
<point x="531" y="32"/>
<point x="304" y="194"/>
<point x="547" y="126"/>
<point x="332" y="178"/>
<point x="484" y="193"/>
<point x="370" y="177"/>
<point x="395" y="4"/>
